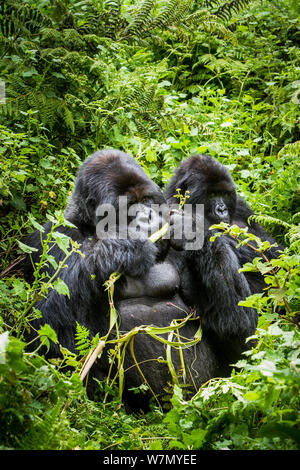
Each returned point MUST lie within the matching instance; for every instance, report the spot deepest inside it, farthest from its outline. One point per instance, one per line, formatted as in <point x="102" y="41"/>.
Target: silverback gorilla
<point x="150" y="290"/>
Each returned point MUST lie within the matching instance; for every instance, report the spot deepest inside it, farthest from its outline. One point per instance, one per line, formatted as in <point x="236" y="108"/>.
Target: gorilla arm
<point x="219" y="288"/>
<point x="84" y="276"/>
<point x="210" y="280"/>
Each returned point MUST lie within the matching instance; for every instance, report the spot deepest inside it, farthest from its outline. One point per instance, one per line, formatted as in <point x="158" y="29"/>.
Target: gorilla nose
<point x="221" y="211"/>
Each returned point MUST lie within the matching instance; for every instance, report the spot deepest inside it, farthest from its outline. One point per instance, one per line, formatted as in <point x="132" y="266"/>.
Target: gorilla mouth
<point x="216" y="219"/>
<point x="224" y="219"/>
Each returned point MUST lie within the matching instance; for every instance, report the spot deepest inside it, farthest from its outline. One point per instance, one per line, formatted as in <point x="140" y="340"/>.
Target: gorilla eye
<point x="131" y="202"/>
<point x="146" y="199"/>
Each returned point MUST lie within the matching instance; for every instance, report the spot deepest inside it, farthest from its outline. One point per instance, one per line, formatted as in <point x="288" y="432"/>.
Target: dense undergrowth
<point x="159" y="80"/>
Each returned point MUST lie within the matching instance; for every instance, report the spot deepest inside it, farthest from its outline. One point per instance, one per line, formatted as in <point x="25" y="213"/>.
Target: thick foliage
<point x="159" y="82"/>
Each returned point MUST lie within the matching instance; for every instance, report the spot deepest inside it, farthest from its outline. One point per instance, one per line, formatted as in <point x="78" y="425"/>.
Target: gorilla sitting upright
<point x="210" y="183"/>
<point x="209" y="274"/>
<point x="149" y="292"/>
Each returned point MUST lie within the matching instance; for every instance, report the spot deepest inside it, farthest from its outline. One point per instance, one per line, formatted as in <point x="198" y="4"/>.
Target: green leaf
<point x="282" y="430"/>
<point x="195" y="438"/>
<point x="46" y="333"/>
<point x="36" y="225"/>
<point x="26" y="248"/>
<point x="274" y="330"/>
<point x="267" y="368"/>
<point x="61" y="287"/>
<point x="52" y="261"/>
<point x="156" y="445"/>
<point x="18" y="202"/>
<point x="278" y="294"/>
<point x="251" y="396"/>
<point x="30" y="72"/>
<point x="19" y="289"/>
<point x="62" y="240"/>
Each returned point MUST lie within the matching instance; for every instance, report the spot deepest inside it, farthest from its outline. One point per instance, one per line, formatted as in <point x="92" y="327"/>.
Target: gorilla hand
<point x="186" y="231"/>
<point x="131" y="257"/>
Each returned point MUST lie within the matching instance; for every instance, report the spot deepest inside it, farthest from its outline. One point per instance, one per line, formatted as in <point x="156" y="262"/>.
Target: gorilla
<point x="150" y="290"/>
<point x="205" y="271"/>
<point x="210" y="183"/>
<point x="101" y="179"/>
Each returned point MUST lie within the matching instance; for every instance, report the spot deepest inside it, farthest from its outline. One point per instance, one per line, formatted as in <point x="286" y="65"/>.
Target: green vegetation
<point x="160" y="80"/>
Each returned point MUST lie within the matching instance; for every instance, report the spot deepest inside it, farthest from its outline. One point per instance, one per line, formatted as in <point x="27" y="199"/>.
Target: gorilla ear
<point x="181" y="184"/>
<point x="80" y="211"/>
<point x="91" y="204"/>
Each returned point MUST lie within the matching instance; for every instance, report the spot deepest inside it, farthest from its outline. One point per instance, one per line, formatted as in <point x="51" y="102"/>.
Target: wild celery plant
<point x="120" y="343"/>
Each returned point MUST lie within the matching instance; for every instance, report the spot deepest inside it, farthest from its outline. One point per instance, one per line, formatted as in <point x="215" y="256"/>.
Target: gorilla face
<point x="208" y="183"/>
<point x="103" y="178"/>
<point x="217" y="207"/>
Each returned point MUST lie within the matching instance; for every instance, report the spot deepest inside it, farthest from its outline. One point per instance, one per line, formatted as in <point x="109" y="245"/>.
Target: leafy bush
<point x="44" y="409"/>
<point x="159" y="80"/>
<point x="257" y="407"/>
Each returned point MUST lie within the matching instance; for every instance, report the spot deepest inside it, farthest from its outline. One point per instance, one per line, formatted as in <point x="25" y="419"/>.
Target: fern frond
<point x="82" y="339"/>
<point x="234" y="67"/>
<point x="178" y="17"/>
<point x="143" y="131"/>
<point x="165" y="14"/>
<point x="292" y="149"/>
<point x="210" y="3"/>
<point x="142" y="19"/>
<point x="134" y="94"/>
<point x="43" y="435"/>
<point x="172" y="13"/>
<point x="21" y="17"/>
<point x="294" y="236"/>
<point x="205" y="21"/>
<point x="227" y="10"/>
<point x="18" y="85"/>
<point x="268" y="221"/>
<point x="68" y="118"/>
<point x="39" y="101"/>
<point x="212" y="26"/>
<point x="154" y="124"/>
<point x="147" y="98"/>
<point x="113" y="7"/>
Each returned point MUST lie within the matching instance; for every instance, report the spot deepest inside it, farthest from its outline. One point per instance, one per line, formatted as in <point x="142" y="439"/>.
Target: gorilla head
<point x="208" y="183"/>
<point x="102" y="179"/>
<point x="211" y="184"/>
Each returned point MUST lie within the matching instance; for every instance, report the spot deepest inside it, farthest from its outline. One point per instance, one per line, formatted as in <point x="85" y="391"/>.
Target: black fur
<point x="208" y="180"/>
<point x="210" y="276"/>
<point x="97" y="183"/>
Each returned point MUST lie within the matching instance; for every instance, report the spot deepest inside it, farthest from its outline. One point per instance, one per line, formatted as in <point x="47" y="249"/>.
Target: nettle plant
<point x="27" y="295"/>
